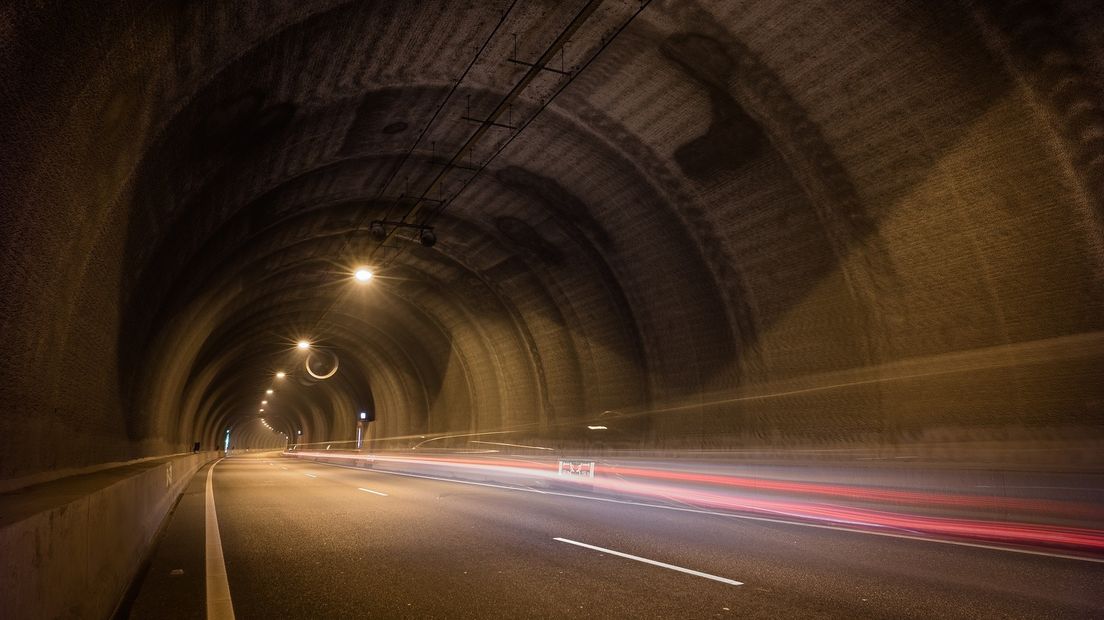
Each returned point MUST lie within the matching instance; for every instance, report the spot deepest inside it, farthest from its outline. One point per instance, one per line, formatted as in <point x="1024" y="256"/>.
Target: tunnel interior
<point x="697" y="226"/>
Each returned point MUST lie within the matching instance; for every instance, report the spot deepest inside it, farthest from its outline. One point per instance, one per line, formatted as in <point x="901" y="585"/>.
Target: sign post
<point x="360" y="427"/>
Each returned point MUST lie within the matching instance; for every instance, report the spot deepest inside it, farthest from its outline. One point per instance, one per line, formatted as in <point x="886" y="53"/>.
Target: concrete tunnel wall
<point x="746" y="224"/>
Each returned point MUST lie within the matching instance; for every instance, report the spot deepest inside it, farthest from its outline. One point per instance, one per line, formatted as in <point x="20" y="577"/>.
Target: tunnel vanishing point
<point x="677" y="226"/>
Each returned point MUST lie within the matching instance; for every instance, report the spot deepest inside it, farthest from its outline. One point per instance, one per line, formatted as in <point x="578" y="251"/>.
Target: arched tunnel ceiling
<point x="731" y="222"/>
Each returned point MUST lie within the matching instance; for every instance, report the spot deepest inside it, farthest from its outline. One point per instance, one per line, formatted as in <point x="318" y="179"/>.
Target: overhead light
<point x="378" y="231"/>
<point x="268" y="391"/>
<point x="303" y="345"/>
<point x="261" y="410"/>
<point x="596" y="427"/>
<point x="264" y="402"/>
<point x="363" y="275"/>
<point x="363" y="415"/>
<point x="281" y="374"/>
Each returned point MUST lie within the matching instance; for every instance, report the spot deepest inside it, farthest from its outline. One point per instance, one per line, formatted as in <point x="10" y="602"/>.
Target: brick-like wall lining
<point x="884" y="186"/>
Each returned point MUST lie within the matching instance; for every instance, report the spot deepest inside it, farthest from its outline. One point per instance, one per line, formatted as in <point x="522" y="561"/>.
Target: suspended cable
<point x="433" y="214"/>
<point x="348" y="237"/>
<point x="503" y="105"/>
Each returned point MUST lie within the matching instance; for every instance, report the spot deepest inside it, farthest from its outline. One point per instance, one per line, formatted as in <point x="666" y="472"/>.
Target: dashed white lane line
<point x="371" y="491"/>
<point x="310" y="475"/>
<point x="219" y="605"/>
<point x="680" y="569"/>
<point x="283" y="467"/>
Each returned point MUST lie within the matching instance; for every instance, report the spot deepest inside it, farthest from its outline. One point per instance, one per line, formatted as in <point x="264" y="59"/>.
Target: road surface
<point x="301" y="539"/>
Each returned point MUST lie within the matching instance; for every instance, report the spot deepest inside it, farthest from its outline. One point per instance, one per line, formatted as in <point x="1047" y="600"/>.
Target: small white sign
<point x="582" y="469"/>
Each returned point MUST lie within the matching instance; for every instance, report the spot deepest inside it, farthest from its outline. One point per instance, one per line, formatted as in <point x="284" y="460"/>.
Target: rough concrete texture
<point x="744" y="224"/>
<point x="72" y="547"/>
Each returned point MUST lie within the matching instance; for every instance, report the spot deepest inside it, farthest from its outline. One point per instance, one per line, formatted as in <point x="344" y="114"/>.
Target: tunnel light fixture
<point x="268" y="391"/>
<point x="261" y="410"/>
<point x="303" y="345"/>
<point x="363" y="415"/>
<point x="378" y="231"/>
<point x="363" y="275"/>
<point x="264" y="402"/>
<point x="280" y="374"/>
<point x="596" y="427"/>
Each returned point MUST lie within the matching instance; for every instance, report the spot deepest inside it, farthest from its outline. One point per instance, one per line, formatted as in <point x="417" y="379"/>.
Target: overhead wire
<point x="506" y="102"/>
<point x="397" y="168"/>
<point x="433" y="214"/>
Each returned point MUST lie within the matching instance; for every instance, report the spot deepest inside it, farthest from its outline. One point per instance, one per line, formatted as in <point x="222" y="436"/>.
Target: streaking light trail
<point x="1037" y="523"/>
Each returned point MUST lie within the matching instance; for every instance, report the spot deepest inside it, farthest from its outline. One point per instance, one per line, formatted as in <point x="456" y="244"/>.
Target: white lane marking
<point x="680" y="569"/>
<point x="310" y="475"/>
<point x="371" y="491"/>
<point x="282" y="467"/>
<point x="219" y="605"/>
<point x="822" y="526"/>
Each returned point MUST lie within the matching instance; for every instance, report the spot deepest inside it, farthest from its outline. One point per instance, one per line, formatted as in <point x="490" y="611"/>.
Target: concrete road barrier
<point x="71" y="547"/>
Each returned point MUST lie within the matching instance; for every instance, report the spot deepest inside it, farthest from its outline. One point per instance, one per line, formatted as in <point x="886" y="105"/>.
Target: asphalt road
<point x="303" y="540"/>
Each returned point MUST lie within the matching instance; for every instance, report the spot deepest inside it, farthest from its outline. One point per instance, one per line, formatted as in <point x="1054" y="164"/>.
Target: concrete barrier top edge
<point x="24" y="503"/>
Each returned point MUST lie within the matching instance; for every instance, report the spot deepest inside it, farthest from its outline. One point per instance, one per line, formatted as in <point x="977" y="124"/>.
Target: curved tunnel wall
<point x="843" y="224"/>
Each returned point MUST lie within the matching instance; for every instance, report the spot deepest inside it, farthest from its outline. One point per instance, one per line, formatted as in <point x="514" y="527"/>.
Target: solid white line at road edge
<point x="652" y="562"/>
<point x="219" y="605"/>
<point x="371" y="491"/>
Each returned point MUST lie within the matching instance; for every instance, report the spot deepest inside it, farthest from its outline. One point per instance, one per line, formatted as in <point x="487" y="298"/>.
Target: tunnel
<point x="830" y="266"/>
